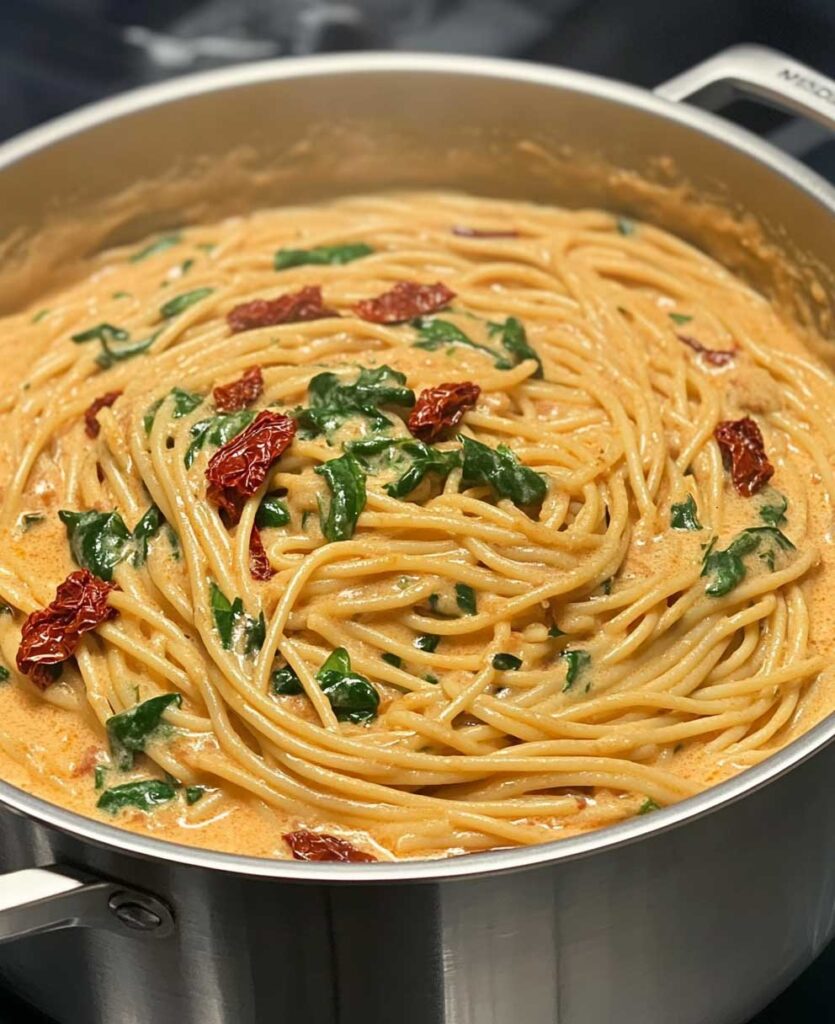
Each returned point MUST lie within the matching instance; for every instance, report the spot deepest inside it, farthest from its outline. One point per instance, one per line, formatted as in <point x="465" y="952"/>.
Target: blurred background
<point x="56" y="55"/>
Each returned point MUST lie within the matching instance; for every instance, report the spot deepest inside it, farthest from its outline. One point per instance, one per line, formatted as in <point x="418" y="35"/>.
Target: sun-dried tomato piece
<point x="51" y="635"/>
<point x="741" y="442"/>
<point x="87" y="762"/>
<point x="464" y="232"/>
<point x="237" y="470"/>
<point x="441" y="408"/>
<point x="714" y="356"/>
<point x="259" y="564"/>
<point x="292" y="308"/>
<point x="404" y="301"/>
<point x="241" y="392"/>
<point x="305" y="845"/>
<point x="91" y="424"/>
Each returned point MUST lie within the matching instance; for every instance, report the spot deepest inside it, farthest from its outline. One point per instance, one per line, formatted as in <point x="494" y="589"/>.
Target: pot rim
<point x="476" y="864"/>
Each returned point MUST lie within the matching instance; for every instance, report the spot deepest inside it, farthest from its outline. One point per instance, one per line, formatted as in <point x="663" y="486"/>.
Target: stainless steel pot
<point x="698" y="914"/>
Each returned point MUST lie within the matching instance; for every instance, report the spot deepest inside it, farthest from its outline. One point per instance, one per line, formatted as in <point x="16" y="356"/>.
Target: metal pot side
<point x="697" y="914"/>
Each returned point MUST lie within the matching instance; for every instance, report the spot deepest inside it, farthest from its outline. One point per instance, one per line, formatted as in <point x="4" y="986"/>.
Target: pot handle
<point x="756" y="72"/>
<point x="37" y="900"/>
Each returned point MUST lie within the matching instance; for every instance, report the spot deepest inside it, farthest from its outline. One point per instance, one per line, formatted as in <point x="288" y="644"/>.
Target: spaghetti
<point x="413" y="529"/>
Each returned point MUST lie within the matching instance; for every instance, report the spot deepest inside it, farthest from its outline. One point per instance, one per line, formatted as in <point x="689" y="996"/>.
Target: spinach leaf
<point x="144" y="530"/>
<point x="145" y="794"/>
<point x="111" y="355"/>
<point x="272" y="512"/>
<point x="680" y="318"/>
<point x="128" y="731"/>
<point x="98" y="540"/>
<point x="332" y="402"/>
<point x="180" y="303"/>
<point x="284" y="682"/>
<point x="515" y="341"/>
<point x="684" y="515"/>
<point x="351" y="695"/>
<point x="425" y="460"/>
<point x="438" y="334"/>
<point x="465" y="598"/>
<point x="727" y="566"/>
<point x="4" y="674"/>
<point x="99" y="774"/>
<point x="774" y="511"/>
<point x="577" y="661"/>
<point x="106" y="335"/>
<point x="504" y="662"/>
<point x="102" y="333"/>
<point x="233" y="624"/>
<point x="501" y="470"/>
<point x="346" y="480"/>
<point x="174" y="542"/>
<point x="183" y="402"/>
<point x="392" y="659"/>
<point x="194" y="793"/>
<point x="225" y="613"/>
<point x="648" y="806"/>
<point x="160" y="245"/>
<point x="321" y="255"/>
<point x="216" y="431"/>
<point x="427" y="642"/>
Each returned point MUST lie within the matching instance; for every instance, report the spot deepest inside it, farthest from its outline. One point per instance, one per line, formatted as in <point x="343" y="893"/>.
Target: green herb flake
<point x="40" y="315"/>
<point x="5" y="675"/>
<point x="465" y="598"/>
<point x="146" y="795"/>
<point x="427" y="642"/>
<point x="680" y="318"/>
<point x="774" y="511"/>
<point x="194" y="793"/>
<point x="555" y="631"/>
<point x="173" y="541"/>
<point x="515" y="341"/>
<point x="501" y="470"/>
<point x="272" y="512"/>
<point x="648" y="806"/>
<point x="159" y="245"/>
<point x="625" y="226"/>
<point x="504" y="662"/>
<point x="101" y="332"/>
<point x="99" y="774"/>
<point x="180" y="303"/>
<point x="577" y="661"/>
<point x="438" y="334"/>
<point x="430" y="678"/>
<point x="727" y="566"/>
<point x="122" y="295"/>
<point x="127" y="732"/>
<point x="321" y="255"/>
<point x="346" y="481"/>
<point x="684" y="515"/>
<point x="351" y="695"/>
<point x="392" y="659"/>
